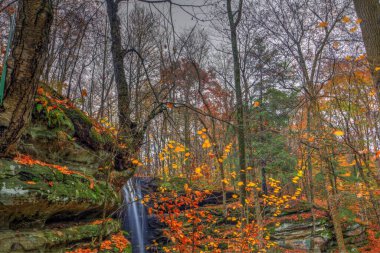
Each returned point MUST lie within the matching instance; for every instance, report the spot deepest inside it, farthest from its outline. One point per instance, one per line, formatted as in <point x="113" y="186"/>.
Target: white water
<point x="135" y="220"/>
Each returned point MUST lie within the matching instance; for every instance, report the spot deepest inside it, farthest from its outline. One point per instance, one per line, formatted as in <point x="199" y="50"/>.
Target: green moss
<point x="77" y="115"/>
<point x="52" y="240"/>
<point x="40" y="192"/>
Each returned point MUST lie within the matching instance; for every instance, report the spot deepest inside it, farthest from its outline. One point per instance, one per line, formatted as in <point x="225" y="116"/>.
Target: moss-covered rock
<point x="54" y="240"/>
<point x="31" y="195"/>
<point x="62" y="134"/>
<point x="58" y="147"/>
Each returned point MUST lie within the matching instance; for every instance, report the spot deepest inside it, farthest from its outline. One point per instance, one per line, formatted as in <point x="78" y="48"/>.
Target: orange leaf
<point x="353" y="29"/>
<point x="359" y="21"/>
<point x="30" y="182"/>
<point x="84" y="93"/>
<point x="346" y="19"/>
<point x="323" y="24"/>
<point x="40" y="91"/>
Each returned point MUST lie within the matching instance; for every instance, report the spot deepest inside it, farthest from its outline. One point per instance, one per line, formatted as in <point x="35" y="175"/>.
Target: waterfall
<point x="135" y="217"/>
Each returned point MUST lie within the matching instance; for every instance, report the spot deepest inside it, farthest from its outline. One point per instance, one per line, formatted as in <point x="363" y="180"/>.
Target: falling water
<point x="135" y="218"/>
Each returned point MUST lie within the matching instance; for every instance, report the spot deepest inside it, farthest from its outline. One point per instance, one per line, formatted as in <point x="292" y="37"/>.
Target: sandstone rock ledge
<point x="53" y="240"/>
<point x="32" y="195"/>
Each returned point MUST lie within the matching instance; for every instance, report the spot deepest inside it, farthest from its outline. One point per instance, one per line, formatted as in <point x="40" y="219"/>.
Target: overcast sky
<point x="182" y="18"/>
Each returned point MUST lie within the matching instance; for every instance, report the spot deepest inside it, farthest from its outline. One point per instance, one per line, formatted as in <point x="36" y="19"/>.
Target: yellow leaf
<point x="240" y="183"/>
<point x="346" y="19"/>
<point x="225" y="181"/>
<point x="187" y="154"/>
<point x="198" y="170"/>
<point x="377" y="69"/>
<point x="359" y="21"/>
<point x="200" y="132"/>
<point x="179" y="149"/>
<point x="135" y="161"/>
<point x="206" y="144"/>
<point x="353" y="29"/>
<point x="251" y="184"/>
<point x="186" y="187"/>
<point x="338" y="133"/>
<point x="235" y="196"/>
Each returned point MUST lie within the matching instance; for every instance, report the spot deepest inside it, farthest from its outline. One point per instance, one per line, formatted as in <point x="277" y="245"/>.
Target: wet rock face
<point x="32" y="195"/>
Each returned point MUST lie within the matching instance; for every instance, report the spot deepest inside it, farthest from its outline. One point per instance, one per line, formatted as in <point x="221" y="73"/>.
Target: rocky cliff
<point x="54" y="195"/>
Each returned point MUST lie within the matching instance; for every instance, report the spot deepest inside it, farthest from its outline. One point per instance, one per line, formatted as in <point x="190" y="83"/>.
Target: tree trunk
<point x="369" y="12"/>
<point x="239" y="102"/>
<point x="332" y="200"/>
<point x="26" y="64"/>
<point x="129" y="134"/>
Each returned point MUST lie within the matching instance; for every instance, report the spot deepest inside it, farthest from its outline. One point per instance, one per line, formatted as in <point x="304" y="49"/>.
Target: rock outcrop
<point x="54" y="195"/>
<point x="31" y="195"/>
<point x="299" y="235"/>
<point x="54" y="240"/>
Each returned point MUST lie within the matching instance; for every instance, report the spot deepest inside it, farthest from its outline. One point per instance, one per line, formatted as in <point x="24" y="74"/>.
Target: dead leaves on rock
<point x="27" y="160"/>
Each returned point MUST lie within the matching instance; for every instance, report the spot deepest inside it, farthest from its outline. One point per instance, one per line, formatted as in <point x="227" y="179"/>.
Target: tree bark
<point x="30" y="44"/>
<point x="369" y="12"/>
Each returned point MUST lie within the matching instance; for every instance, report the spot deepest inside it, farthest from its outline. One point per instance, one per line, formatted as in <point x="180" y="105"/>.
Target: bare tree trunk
<point x="239" y="99"/>
<point x="26" y="64"/>
<point x="369" y="12"/>
<point x="129" y="133"/>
